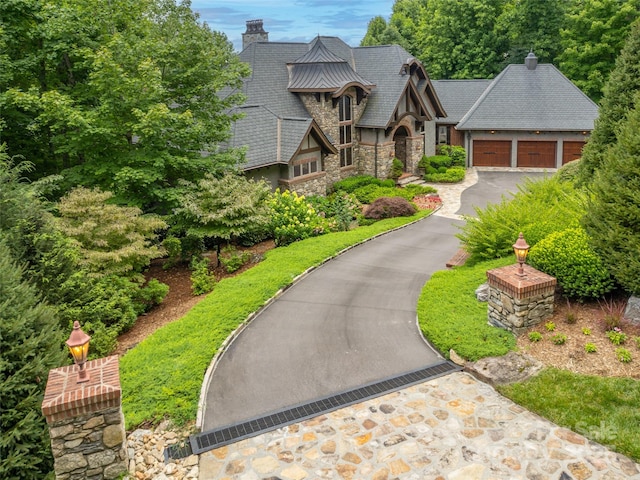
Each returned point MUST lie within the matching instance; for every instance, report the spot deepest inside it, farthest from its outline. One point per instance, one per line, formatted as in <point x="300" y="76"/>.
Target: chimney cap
<point x="255" y="26"/>
<point x="531" y="61"/>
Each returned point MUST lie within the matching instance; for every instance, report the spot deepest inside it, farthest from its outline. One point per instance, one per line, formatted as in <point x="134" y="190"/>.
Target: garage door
<point x="492" y="153"/>
<point x="571" y="151"/>
<point x="537" y="154"/>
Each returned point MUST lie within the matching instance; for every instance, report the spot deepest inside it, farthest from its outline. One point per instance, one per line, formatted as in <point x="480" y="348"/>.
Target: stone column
<point x="86" y="421"/>
<point x="519" y="302"/>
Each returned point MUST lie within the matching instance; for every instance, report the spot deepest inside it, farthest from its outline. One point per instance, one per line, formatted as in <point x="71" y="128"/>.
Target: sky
<point x="293" y="21"/>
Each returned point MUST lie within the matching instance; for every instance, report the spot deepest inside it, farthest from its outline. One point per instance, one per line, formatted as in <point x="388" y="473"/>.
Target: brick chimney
<point x="255" y="33"/>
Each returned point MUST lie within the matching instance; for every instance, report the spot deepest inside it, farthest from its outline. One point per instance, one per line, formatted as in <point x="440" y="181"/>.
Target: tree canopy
<point x="123" y="95"/>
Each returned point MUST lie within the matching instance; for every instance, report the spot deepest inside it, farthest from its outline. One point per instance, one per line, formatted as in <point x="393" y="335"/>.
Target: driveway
<point x="348" y="323"/>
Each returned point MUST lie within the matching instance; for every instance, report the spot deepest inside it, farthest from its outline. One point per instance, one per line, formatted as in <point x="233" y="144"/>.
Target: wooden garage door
<point x="492" y="153"/>
<point x="571" y="151"/>
<point x="537" y="154"/>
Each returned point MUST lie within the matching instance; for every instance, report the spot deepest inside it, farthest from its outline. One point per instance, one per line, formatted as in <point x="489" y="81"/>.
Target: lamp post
<point x="521" y="249"/>
<point x="78" y="344"/>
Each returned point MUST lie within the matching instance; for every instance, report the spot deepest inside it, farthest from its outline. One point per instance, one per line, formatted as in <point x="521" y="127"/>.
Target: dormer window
<point x="346" y="126"/>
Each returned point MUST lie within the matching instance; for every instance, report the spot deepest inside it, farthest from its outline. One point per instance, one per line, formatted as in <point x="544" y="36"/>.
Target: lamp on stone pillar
<point x="78" y="344"/>
<point x="521" y="249"/>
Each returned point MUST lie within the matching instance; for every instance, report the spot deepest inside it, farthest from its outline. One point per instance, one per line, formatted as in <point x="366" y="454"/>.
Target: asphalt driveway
<point x="348" y="323"/>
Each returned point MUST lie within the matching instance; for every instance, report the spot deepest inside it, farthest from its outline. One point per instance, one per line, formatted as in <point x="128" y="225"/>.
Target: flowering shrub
<point x="293" y="218"/>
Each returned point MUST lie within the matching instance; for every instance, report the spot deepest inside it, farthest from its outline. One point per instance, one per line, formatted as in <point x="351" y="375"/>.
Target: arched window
<point x="346" y="126"/>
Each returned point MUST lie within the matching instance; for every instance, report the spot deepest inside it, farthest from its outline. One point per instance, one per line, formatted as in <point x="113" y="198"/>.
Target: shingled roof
<point x="538" y="98"/>
<point x="458" y="96"/>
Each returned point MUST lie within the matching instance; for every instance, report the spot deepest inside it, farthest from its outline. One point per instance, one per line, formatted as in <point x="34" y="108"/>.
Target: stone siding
<point x="85" y="421"/>
<point x="314" y="184"/>
<point x="516" y="302"/>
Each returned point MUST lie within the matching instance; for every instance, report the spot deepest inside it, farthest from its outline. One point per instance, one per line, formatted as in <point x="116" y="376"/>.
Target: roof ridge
<point x="483" y="96"/>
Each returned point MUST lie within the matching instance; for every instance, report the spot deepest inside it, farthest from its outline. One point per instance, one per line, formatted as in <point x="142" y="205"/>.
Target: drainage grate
<point x="212" y="439"/>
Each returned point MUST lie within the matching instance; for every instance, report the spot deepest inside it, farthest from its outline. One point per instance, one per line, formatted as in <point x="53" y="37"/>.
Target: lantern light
<point x="521" y="249"/>
<point x="78" y="344"/>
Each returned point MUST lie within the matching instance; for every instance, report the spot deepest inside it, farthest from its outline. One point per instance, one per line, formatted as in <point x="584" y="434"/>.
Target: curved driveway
<point x="348" y="323"/>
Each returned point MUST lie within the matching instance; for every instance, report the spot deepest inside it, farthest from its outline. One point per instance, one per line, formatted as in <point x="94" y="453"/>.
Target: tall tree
<point x="375" y="30"/>
<point x="126" y="97"/>
<point x="619" y="99"/>
<point x="594" y="33"/>
<point x="532" y="25"/>
<point x="613" y="217"/>
<point x="459" y="38"/>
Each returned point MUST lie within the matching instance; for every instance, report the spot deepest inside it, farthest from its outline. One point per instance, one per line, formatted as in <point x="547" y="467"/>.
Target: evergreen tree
<point x="619" y="98"/>
<point x="613" y="217"/>
<point x="30" y="345"/>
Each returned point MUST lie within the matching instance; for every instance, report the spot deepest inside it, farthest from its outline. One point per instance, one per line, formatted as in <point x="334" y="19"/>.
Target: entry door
<point x="537" y="154"/>
<point x="492" y="153"/>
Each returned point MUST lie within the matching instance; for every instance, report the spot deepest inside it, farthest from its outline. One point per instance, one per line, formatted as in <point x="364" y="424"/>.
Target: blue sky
<point x="297" y="20"/>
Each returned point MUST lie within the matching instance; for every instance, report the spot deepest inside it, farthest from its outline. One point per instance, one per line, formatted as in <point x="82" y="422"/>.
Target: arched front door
<point x="400" y="139"/>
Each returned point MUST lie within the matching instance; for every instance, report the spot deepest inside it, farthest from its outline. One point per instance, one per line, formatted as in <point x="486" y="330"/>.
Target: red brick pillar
<point x="518" y="302"/>
<point x="86" y="422"/>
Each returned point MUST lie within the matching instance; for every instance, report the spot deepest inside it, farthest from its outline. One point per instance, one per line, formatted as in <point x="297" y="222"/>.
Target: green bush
<point x="538" y="209"/>
<point x="150" y="295"/>
<point x="202" y="280"/>
<point x="623" y="355"/>
<point x="451" y="317"/>
<point x="389" y="207"/>
<point x="340" y="209"/>
<point x="413" y="190"/>
<point x="568" y="256"/>
<point x="397" y="168"/>
<point x="369" y="193"/>
<point x="350" y="184"/>
<point x="616" y="336"/>
<point x="559" y="339"/>
<point x="568" y="172"/>
<point x="232" y="260"/>
<point x="457" y="154"/>
<point x="535" y="336"/>
<point x="449" y="175"/>
<point x="293" y="218"/>
<point x="590" y="348"/>
<point x="439" y="161"/>
<point x="173" y="247"/>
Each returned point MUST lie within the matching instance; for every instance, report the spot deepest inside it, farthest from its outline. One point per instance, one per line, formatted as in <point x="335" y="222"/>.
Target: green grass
<point x="162" y="376"/>
<point x="603" y="409"/>
<point x="450" y="316"/>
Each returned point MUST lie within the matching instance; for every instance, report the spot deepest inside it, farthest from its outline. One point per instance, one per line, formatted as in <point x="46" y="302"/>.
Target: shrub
<point x="637" y="340"/>
<point x="173" y="247"/>
<point x="586" y="331"/>
<point x="567" y="256"/>
<point x="202" y="280"/>
<point x="616" y="336"/>
<point x="293" y="218"/>
<point x="559" y="339"/>
<point x="369" y="193"/>
<point x="538" y="209"/>
<point x="413" y="190"/>
<point x="590" y="348"/>
<point x="623" y="355"/>
<point x="340" y="209"/>
<point x="150" y="295"/>
<point x="439" y="161"/>
<point x="350" y="184"/>
<point x="550" y="326"/>
<point x="568" y="172"/>
<point x="535" y="336"/>
<point x="457" y="154"/>
<point x="397" y="168"/>
<point x="450" y="175"/>
<point x="231" y="259"/>
<point x="389" y="207"/>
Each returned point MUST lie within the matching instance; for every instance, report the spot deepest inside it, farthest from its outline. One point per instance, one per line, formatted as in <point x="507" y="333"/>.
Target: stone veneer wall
<point x="85" y="421"/>
<point x="519" y="302"/>
<point x="314" y="184"/>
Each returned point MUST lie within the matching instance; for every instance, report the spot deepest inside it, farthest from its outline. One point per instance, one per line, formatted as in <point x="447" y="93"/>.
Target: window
<point x="305" y="167"/>
<point x="346" y="126"/>
<point x="443" y="134"/>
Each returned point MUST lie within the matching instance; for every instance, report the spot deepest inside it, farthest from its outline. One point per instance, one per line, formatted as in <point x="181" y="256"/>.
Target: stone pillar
<point x="86" y="421"/>
<point x="519" y="302"/>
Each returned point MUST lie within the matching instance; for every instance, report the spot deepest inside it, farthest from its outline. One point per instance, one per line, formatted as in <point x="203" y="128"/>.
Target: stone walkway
<point x="453" y="427"/>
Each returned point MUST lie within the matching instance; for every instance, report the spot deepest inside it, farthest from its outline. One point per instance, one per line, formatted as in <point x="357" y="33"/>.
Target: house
<point x="321" y="111"/>
<point x="530" y="115"/>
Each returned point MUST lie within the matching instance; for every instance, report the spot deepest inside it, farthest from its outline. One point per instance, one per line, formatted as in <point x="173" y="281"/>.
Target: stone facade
<point x="85" y="421"/>
<point x="315" y="184"/>
<point x="519" y="302"/>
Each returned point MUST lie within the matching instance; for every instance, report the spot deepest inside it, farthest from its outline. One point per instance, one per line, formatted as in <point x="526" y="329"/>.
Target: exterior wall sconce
<point x="537" y="132"/>
<point x="493" y="132"/>
<point x="521" y="249"/>
<point x="78" y="344"/>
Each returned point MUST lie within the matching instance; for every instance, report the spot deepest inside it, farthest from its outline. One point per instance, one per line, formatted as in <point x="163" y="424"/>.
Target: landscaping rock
<point x="457" y="359"/>
<point x="510" y="368"/>
<point x="632" y="312"/>
<point x="482" y="293"/>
